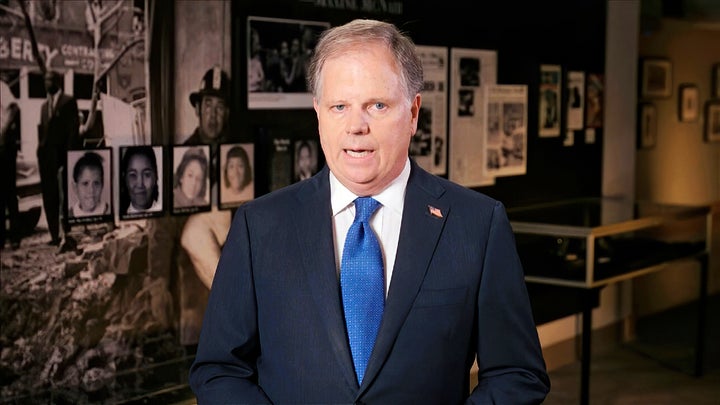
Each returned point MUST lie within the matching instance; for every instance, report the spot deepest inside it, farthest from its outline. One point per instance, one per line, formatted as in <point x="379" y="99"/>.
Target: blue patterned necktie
<point x="362" y="284"/>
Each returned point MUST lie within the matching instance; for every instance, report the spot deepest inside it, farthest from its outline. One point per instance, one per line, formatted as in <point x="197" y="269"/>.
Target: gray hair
<point x="335" y="41"/>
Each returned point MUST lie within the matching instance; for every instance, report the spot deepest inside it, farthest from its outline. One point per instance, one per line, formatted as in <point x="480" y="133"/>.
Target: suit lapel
<point x="315" y="212"/>
<point x="419" y="234"/>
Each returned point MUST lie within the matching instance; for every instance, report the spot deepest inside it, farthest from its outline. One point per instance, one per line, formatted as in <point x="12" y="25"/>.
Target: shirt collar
<point x="392" y="197"/>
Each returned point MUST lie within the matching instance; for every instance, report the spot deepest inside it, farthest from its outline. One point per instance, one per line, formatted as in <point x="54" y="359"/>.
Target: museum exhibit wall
<point x="130" y="295"/>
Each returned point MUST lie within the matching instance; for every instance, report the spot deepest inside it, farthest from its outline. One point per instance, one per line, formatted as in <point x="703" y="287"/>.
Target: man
<point x="58" y="131"/>
<point x="275" y="329"/>
<point x="9" y="145"/>
<point x="189" y="246"/>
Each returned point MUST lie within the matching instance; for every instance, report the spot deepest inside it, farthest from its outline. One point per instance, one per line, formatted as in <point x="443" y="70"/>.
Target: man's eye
<point x="379" y="106"/>
<point x="339" y="107"/>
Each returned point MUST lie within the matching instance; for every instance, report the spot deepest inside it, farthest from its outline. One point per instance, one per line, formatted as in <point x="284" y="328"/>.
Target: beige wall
<point x="682" y="168"/>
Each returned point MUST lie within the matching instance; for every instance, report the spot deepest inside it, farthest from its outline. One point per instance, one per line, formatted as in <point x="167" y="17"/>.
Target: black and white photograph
<point x="141" y="174"/>
<point x="306" y="161"/>
<point x="429" y="145"/>
<point x="237" y="180"/>
<point x="421" y="142"/>
<point x="278" y="51"/>
<point x="471" y="70"/>
<point x="506" y="129"/>
<point x="89" y="185"/>
<point x="575" y="100"/>
<point x="550" y="96"/>
<point x="191" y="179"/>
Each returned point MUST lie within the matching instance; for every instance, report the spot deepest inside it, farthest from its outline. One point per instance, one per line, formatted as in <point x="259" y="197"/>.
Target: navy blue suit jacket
<point x="274" y="330"/>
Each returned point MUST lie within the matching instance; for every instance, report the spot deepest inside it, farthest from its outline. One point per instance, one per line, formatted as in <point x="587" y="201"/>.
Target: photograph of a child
<point x="191" y="179"/>
<point x="89" y="185"/>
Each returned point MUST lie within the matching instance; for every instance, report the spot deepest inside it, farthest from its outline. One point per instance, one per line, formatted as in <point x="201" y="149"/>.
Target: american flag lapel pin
<point x="434" y="211"/>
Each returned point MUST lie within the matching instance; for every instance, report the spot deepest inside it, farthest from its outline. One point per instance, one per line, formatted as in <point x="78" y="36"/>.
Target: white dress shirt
<point x="385" y="221"/>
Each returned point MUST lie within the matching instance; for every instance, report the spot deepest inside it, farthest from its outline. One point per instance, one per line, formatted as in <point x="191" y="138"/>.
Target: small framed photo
<point x="656" y="78"/>
<point x="141" y="181"/>
<point x="191" y="179"/>
<point x="89" y="185"/>
<point x="712" y="121"/>
<point x="688" y="109"/>
<point x="716" y="80"/>
<point x="237" y="182"/>
<point x="647" y="126"/>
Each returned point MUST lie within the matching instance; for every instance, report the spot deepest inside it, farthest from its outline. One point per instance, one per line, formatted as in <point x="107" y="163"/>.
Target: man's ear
<point x="415" y="113"/>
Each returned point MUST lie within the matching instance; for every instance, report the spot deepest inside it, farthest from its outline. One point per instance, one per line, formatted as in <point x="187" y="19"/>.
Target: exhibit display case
<point x="580" y="246"/>
<point x="594" y="242"/>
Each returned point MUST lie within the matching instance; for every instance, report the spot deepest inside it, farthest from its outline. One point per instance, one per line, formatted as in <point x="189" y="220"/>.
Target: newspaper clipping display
<point x="471" y="70"/>
<point x="506" y="129"/>
<point x="429" y="145"/>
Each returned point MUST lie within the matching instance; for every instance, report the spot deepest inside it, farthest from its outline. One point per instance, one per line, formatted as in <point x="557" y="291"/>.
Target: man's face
<point x="364" y="118"/>
<point x="212" y="113"/>
<point x="51" y="83"/>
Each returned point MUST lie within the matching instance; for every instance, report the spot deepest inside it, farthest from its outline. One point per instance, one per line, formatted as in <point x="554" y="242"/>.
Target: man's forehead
<point x="213" y="99"/>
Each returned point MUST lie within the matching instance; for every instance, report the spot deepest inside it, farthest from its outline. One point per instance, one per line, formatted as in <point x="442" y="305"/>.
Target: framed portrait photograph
<point x="306" y="160"/>
<point x="647" y="126"/>
<point x="550" y="94"/>
<point x="688" y="109"/>
<point x="191" y="179"/>
<point x="277" y="53"/>
<point x="89" y="186"/>
<point x="656" y="78"/>
<point x="715" y="80"/>
<point x="141" y="181"/>
<point x="236" y="177"/>
<point x="712" y="121"/>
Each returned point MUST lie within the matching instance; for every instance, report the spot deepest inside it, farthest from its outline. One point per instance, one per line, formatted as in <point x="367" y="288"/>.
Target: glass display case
<point x="583" y="245"/>
<point x="593" y="242"/>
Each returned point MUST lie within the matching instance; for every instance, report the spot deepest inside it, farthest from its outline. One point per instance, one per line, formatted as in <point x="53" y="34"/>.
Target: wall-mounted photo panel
<point x="647" y="126"/>
<point x="506" y="129"/>
<point x="575" y="100"/>
<point x="688" y="103"/>
<point x="656" y="79"/>
<point x="429" y="145"/>
<point x="236" y="177"/>
<point x="191" y="179"/>
<point x="550" y="98"/>
<point x="594" y="99"/>
<point x="89" y="186"/>
<point x="470" y="71"/>
<point x="277" y="53"/>
<point x="141" y="174"/>
<point x="712" y="121"/>
<point x="306" y="160"/>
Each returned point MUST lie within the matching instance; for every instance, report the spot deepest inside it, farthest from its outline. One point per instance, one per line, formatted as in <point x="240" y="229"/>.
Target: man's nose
<point x="357" y="123"/>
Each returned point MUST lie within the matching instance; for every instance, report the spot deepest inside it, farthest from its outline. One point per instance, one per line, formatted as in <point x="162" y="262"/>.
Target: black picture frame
<point x="190" y="201"/>
<point x="688" y="102"/>
<point x="715" y="80"/>
<point x="712" y="121"/>
<point x="656" y="79"/>
<point x="646" y="126"/>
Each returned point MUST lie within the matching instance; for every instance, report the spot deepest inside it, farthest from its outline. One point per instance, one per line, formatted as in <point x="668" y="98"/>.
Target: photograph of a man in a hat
<point x="211" y="103"/>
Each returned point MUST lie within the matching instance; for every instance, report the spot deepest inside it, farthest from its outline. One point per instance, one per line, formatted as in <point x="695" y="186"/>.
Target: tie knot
<point x="364" y="208"/>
